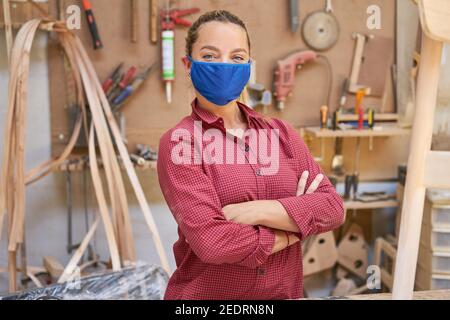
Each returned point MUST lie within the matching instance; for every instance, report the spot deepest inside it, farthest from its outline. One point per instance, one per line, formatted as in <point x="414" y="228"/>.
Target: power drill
<point x="285" y="74"/>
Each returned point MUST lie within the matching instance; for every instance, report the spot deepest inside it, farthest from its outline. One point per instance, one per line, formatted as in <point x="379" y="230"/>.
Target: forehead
<point x="223" y="35"/>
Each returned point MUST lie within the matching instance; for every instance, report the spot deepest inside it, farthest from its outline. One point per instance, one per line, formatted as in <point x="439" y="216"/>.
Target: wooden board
<point x="321" y="255"/>
<point x="374" y="70"/>
<point x="419" y="295"/>
<point x="407" y="41"/>
<point x="434" y="17"/>
<point x="352" y="252"/>
<point x="148" y="115"/>
<point x="379" y="131"/>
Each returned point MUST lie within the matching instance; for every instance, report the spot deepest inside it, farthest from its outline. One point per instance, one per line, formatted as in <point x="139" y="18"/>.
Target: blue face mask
<point x="220" y="83"/>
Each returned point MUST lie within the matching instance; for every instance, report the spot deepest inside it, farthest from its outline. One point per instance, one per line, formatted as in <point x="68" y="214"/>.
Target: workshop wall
<point x="148" y="114"/>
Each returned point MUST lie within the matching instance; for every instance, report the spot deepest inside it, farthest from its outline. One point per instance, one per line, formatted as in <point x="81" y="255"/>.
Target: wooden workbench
<point x="419" y="295"/>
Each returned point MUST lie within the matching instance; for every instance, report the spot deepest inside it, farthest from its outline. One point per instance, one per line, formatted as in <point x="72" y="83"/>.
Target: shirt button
<point x="261" y="271"/>
<point x="247" y="148"/>
<point x="259" y="173"/>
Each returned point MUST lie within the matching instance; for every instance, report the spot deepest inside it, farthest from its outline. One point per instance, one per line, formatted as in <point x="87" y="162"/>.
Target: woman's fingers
<point x="302" y="183"/>
<point x="315" y="184"/>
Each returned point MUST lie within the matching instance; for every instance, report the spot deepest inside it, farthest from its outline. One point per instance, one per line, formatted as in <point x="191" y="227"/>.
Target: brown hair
<point x="216" y="15"/>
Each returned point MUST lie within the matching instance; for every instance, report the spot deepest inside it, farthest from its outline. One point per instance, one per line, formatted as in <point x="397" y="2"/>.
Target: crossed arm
<point x="272" y="214"/>
<point x="318" y="210"/>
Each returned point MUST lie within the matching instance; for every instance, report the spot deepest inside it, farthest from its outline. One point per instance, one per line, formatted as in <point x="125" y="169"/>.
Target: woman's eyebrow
<point x="210" y="48"/>
<point x="239" y="50"/>
<point x="217" y="50"/>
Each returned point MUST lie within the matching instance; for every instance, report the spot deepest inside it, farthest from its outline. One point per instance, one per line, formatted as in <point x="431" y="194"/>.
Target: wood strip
<point x="35" y="280"/>
<point x="17" y="228"/>
<point x="54" y="268"/>
<point x="127" y="163"/>
<point x="5" y="200"/>
<point x="413" y="201"/>
<point x="128" y="245"/>
<point x="101" y="130"/>
<point x="8" y="28"/>
<point x="71" y="266"/>
<point x="12" y="197"/>
<point x="102" y="204"/>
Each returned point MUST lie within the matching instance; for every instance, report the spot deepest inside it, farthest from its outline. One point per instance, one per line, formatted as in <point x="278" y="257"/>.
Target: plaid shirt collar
<point x="210" y="118"/>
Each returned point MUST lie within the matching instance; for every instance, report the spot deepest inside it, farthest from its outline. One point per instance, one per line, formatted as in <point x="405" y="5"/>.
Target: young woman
<point x="241" y="210"/>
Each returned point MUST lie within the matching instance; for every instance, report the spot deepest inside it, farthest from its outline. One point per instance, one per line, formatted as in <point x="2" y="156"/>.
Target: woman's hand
<point x="281" y="240"/>
<point x="245" y="212"/>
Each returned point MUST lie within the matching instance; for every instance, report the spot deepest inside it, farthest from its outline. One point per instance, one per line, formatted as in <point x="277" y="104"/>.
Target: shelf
<point x="358" y="205"/>
<point x="378" y="131"/>
<point x="81" y="165"/>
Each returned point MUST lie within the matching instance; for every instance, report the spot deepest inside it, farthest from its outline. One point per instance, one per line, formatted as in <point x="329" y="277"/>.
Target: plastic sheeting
<point x="141" y="282"/>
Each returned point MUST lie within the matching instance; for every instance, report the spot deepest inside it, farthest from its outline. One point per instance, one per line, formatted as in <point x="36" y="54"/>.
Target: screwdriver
<point x="126" y="79"/>
<point x="110" y="81"/>
<point x="130" y="89"/>
<point x="92" y="25"/>
<point x="323" y="117"/>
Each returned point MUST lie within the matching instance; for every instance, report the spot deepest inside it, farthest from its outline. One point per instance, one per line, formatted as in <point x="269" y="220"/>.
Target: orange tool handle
<point x="92" y="25"/>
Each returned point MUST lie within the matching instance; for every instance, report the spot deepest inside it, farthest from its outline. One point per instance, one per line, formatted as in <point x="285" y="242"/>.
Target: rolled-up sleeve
<point x="196" y="207"/>
<point x="315" y="213"/>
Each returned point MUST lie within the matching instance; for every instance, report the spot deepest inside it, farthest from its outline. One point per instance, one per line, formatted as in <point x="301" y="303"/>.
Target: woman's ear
<point x="186" y="64"/>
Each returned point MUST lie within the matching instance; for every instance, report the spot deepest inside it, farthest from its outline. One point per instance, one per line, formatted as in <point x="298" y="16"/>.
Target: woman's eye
<point x="208" y="57"/>
<point x="238" y="59"/>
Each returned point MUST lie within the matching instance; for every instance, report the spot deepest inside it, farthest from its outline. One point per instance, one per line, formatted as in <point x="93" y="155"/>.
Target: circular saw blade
<point x="320" y="30"/>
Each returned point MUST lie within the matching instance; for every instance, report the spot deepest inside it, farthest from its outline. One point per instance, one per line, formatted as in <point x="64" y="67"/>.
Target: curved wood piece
<point x="434" y="16"/>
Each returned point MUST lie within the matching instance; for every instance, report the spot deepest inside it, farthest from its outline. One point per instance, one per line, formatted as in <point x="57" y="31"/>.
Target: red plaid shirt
<point x="220" y="259"/>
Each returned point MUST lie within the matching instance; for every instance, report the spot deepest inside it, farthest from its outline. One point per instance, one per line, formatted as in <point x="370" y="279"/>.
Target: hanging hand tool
<point x="61" y="6"/>
<point x="321" y="29"/>
<point x="128" y="77"/>
<point x="295" y="19"/>
<point x="124" y="82"/>
<point x="337" y="163"/>
<point x="357" y="62"/>
<point x="137" y="160"/>
<point x="323" y="117"/>
<point x="90" y="253"/>
<point x="359" y="109"/>
<point x="114" y="85"/>
<point x="108" y="83"/>
<point x="153" y="21"/>
<point x="371" y="118"/>
<point x="344" y="90"/>
<point x="92" y="25"/>
<point x="69" y="195"/>
<point x="147" y="152"/>
<point x="132" y="88"/>
<point x="285" y="74"/>
<point x="134" y="20"/>
<point x="169" y="19"/>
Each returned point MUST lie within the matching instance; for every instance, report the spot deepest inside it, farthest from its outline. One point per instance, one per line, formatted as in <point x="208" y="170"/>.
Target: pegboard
<point x="148" y="114"/>
<point x="22" y="11"/>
